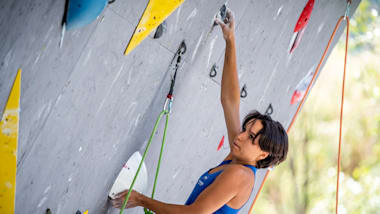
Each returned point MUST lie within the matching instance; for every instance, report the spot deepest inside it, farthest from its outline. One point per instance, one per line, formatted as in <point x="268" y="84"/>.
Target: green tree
<point x="306" y="181"/>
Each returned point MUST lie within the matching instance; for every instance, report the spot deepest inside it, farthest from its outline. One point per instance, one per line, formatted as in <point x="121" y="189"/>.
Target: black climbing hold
<point x="111" y="1"/>
<point x="222" y="14"/>
<point x="161" y="29"/>
<point x="213" y="71"/>
<point x="48" y="211"/>
<point x="243" y="92"/>
<point x="78" y="212"/>
<point x="269" y="110"/>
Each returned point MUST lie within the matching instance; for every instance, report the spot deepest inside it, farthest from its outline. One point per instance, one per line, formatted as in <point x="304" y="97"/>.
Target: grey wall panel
<point x="85" y="108"/>
<point x="97" y="109"/>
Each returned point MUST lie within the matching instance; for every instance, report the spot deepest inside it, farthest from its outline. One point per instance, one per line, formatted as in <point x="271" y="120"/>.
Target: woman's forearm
<point x="230" y="91"/>
<point x="164" y="208"/>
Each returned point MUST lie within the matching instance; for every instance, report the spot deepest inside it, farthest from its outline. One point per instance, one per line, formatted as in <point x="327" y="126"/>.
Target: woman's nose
<point x="240" y="136"/>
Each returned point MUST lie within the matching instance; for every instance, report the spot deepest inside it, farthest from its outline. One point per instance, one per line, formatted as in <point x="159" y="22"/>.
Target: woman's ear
<point x="263" y="155"/>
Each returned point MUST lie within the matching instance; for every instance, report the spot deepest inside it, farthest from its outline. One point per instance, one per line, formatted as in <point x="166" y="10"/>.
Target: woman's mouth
<point x="236" y="145"/>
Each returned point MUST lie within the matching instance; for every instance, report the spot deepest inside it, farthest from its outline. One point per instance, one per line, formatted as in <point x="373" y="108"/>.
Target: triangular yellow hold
<point x="155" y="13"/>
<point x="8" y="148"/>
<point x="85" y="212"/>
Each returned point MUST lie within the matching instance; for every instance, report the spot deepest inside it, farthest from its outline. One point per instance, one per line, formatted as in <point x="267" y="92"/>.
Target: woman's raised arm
<point x="230" y="90"/>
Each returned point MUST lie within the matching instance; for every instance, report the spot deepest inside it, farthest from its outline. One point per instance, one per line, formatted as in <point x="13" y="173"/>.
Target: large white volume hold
<point x="126" y="175"/>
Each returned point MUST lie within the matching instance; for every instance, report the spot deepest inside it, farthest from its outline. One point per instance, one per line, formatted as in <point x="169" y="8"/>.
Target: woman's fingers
<point x="230" y="17"/>
<point x="229" y="21"/>
<point x="121" y="194"/>
<point x="220" y="22"/>
<point x="116" y="203"/>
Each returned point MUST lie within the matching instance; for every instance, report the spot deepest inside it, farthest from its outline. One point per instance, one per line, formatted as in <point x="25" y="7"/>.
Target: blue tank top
<point x="205" y="180"/>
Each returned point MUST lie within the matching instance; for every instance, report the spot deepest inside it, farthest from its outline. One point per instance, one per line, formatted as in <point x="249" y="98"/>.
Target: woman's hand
<point x="227" y="25"/>
<point x="133" y="201"/>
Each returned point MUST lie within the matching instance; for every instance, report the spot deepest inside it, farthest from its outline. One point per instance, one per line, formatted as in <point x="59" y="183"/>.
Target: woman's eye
<point x="251" y="137"/>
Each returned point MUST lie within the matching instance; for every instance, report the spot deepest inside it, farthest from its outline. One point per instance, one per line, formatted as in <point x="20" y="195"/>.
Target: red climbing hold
<point x="299" y="29"/>
<point x="297" y="96"/>
<point x="305" y="16"/>
<point x="221" y="143"/>
<point x="301" y="88"/>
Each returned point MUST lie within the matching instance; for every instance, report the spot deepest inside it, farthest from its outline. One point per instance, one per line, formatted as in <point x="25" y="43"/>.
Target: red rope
<point x="341" y="118"/>
<point x="303" y="100"/>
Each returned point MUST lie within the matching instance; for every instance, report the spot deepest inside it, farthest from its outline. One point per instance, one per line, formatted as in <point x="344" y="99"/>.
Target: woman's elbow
<point x="195" y="209"/>
<point x="228" y="101"/>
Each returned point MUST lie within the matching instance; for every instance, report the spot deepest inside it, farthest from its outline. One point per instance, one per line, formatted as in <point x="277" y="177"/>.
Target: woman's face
<point x="246" y="145"/>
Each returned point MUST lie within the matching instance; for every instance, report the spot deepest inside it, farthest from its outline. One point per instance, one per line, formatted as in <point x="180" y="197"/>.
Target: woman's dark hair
<point x="273" y="139"/>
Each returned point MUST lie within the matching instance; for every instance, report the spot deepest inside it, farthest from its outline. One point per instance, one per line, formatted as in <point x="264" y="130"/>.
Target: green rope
<point x="159" y="159"/>
<point x="159" y="162"/>
<point x="143" y="157"/>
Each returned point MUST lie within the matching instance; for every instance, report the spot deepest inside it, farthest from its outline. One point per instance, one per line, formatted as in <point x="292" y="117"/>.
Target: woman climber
<point x="260" y="142"/>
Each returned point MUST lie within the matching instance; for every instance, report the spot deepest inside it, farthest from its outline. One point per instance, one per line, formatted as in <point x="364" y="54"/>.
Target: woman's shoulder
<point x="239" y="172"/>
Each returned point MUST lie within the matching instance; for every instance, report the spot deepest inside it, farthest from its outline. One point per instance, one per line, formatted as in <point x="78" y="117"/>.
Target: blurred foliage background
<point x="306" y="181"/>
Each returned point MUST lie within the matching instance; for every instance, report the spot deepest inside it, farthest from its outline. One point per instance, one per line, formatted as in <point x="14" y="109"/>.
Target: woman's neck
<point x="237" y="161"/>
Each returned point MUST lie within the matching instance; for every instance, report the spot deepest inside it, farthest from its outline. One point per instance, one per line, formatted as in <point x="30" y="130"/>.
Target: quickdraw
<point x="165" y="111"/>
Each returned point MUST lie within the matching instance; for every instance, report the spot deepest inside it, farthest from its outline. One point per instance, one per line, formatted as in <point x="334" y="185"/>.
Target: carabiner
<point x="347" y="13"/>
<point x="168" y="105"/>
<point x="182" y="48"/>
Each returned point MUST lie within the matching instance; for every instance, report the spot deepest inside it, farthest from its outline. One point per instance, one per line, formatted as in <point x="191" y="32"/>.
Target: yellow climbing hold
<point x="85" y="212"/>
<point x="155" y="13"/>
<point x="8" y="148"/>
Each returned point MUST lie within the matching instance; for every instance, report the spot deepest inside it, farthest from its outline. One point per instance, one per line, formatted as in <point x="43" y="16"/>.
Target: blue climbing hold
<point x="83" y="12"/>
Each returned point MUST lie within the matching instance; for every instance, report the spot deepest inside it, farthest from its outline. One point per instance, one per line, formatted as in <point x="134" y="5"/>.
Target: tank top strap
<point x="254" y="169"/>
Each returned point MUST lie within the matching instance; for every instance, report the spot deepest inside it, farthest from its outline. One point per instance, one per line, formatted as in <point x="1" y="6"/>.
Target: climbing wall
<point x="86" y="108"/>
